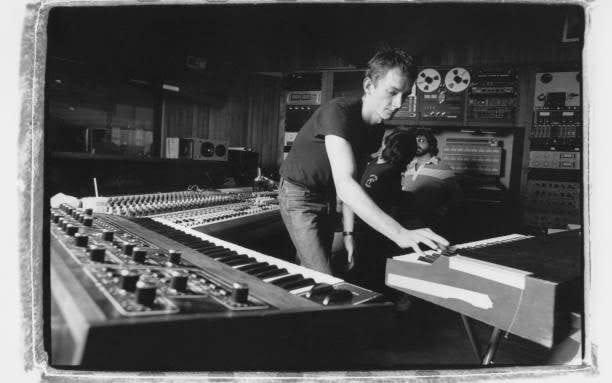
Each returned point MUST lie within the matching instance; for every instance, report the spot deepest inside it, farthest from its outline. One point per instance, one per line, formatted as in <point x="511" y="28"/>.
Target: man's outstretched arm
<point x="342" y="161"/>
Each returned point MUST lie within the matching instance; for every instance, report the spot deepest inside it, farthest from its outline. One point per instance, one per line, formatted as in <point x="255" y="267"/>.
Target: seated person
<point x="433" y="196"/>
<point x="381" y="180"/>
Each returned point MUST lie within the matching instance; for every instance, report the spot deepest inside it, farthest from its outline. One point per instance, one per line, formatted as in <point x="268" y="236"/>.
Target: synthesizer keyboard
<point x="521" y="284"/>
<point x="135" y="293"/>
<point x="295" y="279"/>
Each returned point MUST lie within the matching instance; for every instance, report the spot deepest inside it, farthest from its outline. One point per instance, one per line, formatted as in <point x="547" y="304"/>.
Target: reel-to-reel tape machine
<point x="458" y="96"/>
<point x="456" y="80"/>
<point x="442" y="95"/>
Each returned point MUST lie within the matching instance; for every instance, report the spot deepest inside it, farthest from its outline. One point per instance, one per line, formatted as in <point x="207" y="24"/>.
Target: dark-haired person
<point x="382" y="181"/>
<point x="434" y="194"/>
<point x="324" y="161"/>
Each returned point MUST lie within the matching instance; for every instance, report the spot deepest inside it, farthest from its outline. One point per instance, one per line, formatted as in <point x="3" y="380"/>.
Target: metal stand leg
<point x="491" y="347"/>
<point x="493" y="343"/>
<point x="468" y="329"/>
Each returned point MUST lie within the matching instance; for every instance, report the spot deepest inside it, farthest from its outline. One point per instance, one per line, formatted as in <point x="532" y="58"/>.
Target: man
<point x="325" y="157"/>
<point x="434" y="192"/>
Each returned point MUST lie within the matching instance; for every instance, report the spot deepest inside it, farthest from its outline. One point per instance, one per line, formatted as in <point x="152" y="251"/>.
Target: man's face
<point x="387" y="94"/>
<point x="422" y="146"/>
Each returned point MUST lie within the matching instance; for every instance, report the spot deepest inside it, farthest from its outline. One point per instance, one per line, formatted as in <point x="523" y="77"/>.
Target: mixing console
<point x="220" y="213"/>
<point x="139" y="205"/>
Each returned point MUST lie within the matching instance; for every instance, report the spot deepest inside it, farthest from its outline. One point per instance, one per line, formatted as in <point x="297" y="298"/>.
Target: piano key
<point x="298" y="284"/>
<point x="241" y="261"/>
<point x="230" y="257"/>
<point x="202" y="247"/>
<point x="272" y="273"/>
<point x="492" y="241"/>
<point x="158" y="223"/>
<point x="288" y="278"/>
<point x="219" y="253"/>
<point x="252" y="266"/>
<point x="210" y="249"/>
<point x="257" y="272"/>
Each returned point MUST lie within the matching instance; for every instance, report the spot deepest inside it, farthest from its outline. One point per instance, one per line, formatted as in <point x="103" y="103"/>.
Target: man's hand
<point x="412" y="238"/>
<point x="349" y="245"/>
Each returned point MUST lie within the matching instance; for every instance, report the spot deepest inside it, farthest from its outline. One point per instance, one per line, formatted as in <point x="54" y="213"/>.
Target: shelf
<point x="492" y="124"/>
<point x="114" y="157"/>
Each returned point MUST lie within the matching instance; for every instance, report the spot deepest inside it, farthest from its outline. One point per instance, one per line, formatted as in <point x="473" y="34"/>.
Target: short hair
<point x="389" y="58"/>
<point x="400" y="148"/>
<point x="431" y="139"/>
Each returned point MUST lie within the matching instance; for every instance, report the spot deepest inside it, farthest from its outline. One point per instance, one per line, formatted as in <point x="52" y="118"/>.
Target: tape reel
<point x="457" y="79"/>
<point x="428" y="80"/>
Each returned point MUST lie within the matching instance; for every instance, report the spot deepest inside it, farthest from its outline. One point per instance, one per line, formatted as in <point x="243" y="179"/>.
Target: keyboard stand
<point x="492" y="345"/>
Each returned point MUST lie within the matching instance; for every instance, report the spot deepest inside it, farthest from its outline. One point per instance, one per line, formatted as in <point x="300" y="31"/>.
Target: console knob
<point x="55" y="217"/>
<point x="87" y="221"/>
<point x="71" y="229"/>
<point x="175" y="257"/>
<point x="81" y="239"/>
<point x="107" y="235"/>
<point x="128" y="248"/>
<point x="128" y="279"/>
<point x="89" y="211"/>
<point x="240" y="292"/>
<point x="139" y="254"/>
<point x="97" y="253"/>
<point x="146" y="289"/>
<point x="178" y="281"/>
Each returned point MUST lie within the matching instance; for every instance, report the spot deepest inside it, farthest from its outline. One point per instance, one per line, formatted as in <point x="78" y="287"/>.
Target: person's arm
<point x="342" y="163"/>
<point x="61" y="198"/>
<point x="348" y="225"/>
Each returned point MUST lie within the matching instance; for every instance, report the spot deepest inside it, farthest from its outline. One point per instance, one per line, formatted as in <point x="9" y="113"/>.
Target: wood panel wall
<point x="248" y="118"/>
<point x="185" y="119"/>
<point x="263" y="119"/>
<point x="229" y="121"/>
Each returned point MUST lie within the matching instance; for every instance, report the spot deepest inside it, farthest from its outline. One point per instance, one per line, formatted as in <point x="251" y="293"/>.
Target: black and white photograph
<point x="316" y="190"/>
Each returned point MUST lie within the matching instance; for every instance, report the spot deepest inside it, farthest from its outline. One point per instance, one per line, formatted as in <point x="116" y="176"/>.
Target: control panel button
<point x="108" y="235"/>
<point x="71" y="229"/>
<point x="81" y="240"/>
<point x="146" y="291"/>
<point x="127" y="248"/>
<point x="174" y="256"/>
<point x="97" y="253"/>
<point x="139" y="255"/>
<point x="128" y="279"/>
<point x="240" y="292"/>
<point x="178" y="281"/>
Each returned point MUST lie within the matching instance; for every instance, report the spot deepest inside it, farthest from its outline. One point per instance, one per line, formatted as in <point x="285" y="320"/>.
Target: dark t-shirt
<point x="307" y="163"/>
<point x="383" y="183"/>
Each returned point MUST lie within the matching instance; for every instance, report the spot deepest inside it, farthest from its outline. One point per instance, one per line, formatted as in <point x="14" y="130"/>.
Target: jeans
<point x="310" y="220"/>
